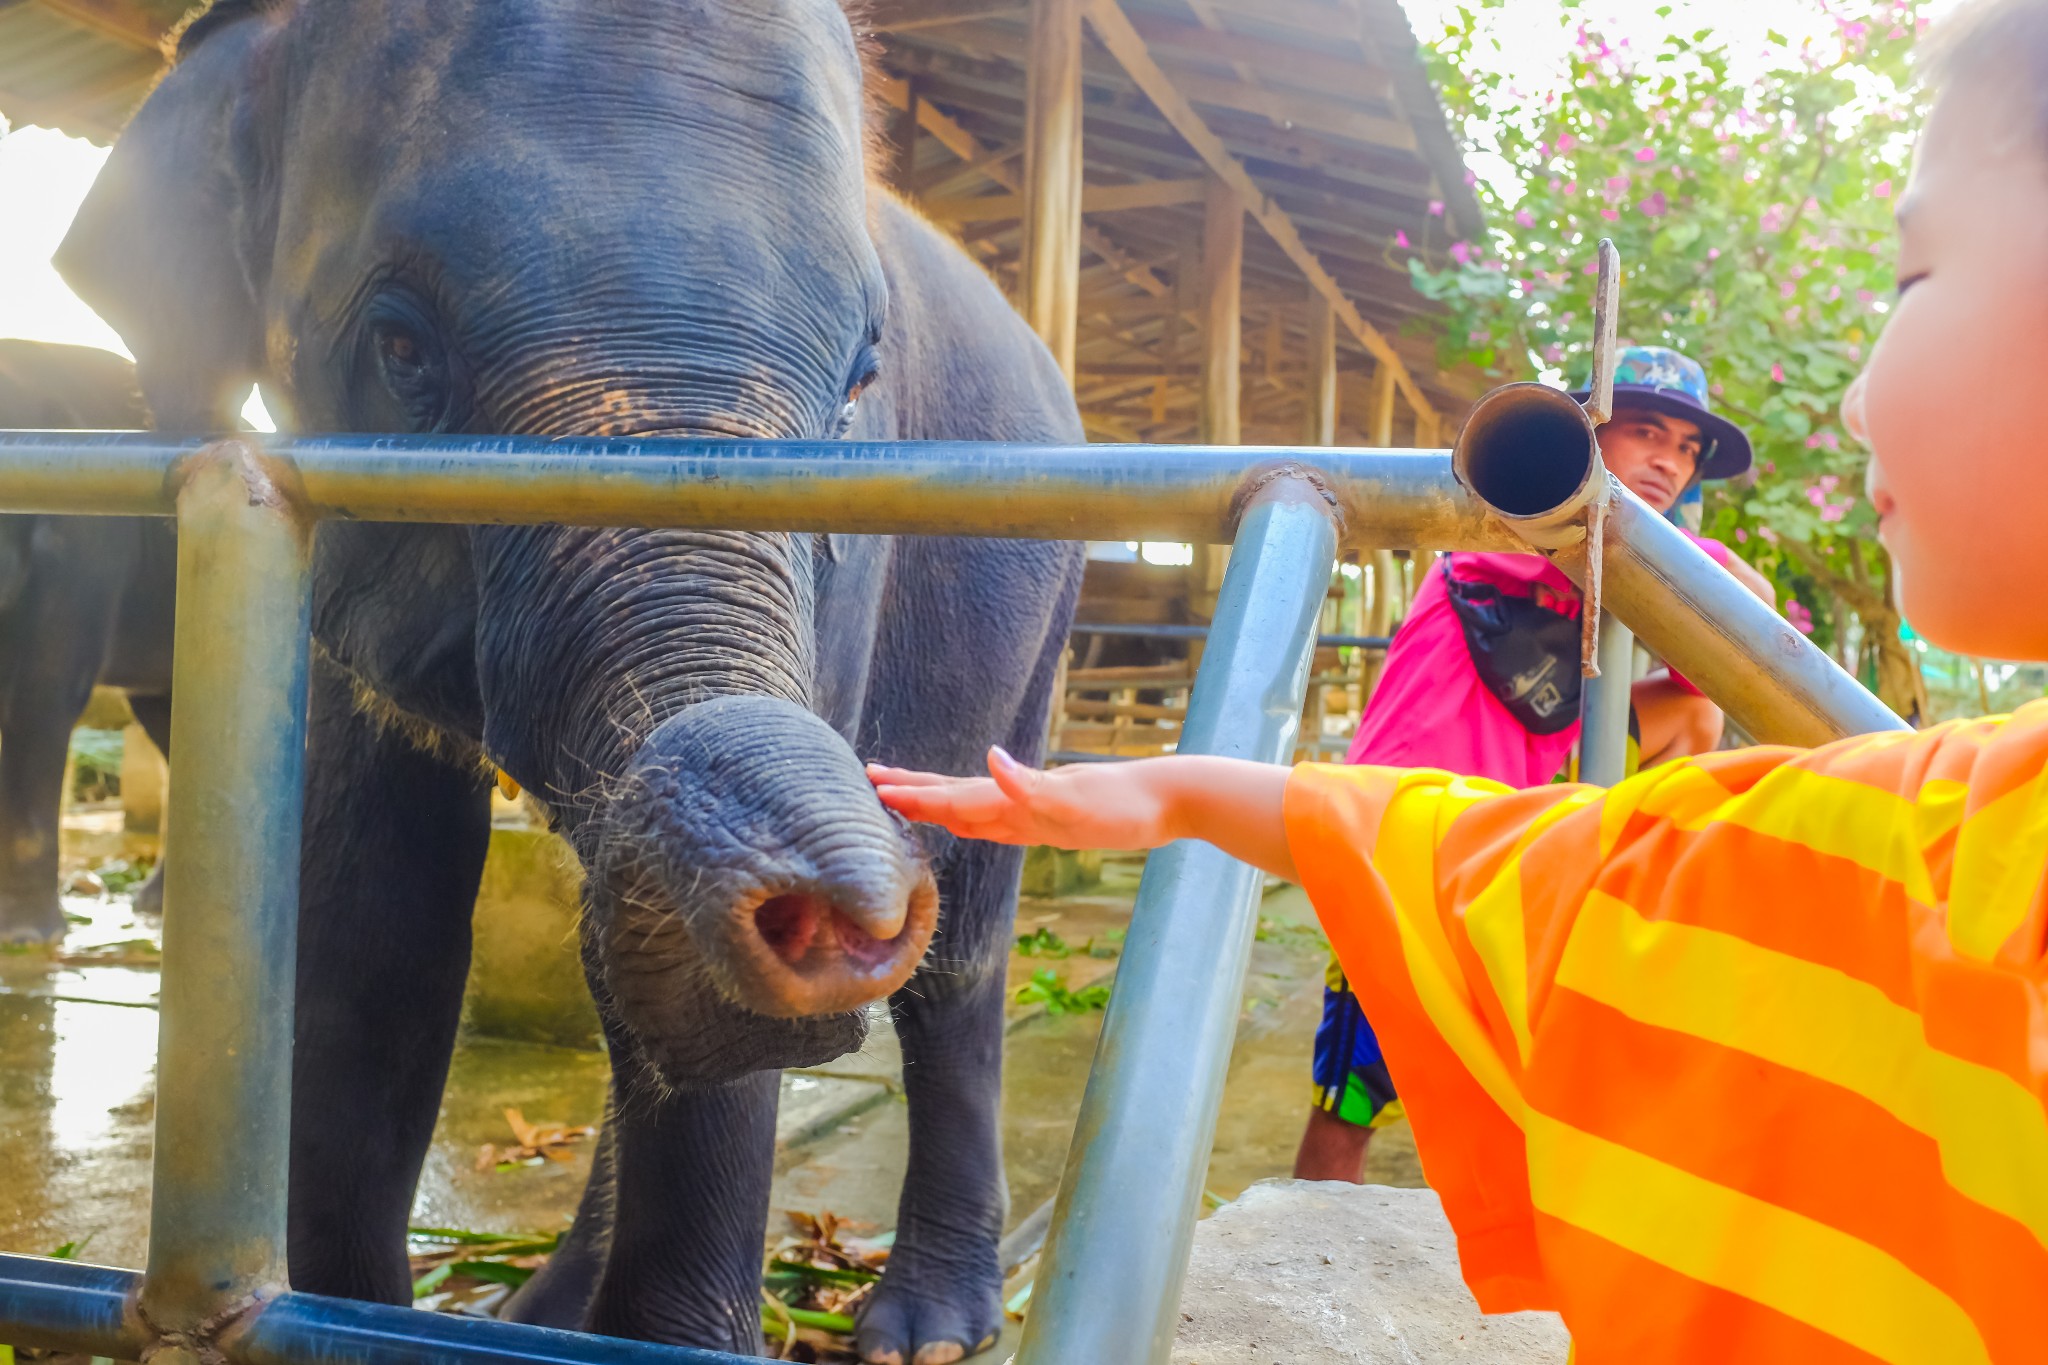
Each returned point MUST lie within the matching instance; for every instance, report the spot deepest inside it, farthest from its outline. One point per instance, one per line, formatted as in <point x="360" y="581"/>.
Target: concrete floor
<point x="77" y="1064"/>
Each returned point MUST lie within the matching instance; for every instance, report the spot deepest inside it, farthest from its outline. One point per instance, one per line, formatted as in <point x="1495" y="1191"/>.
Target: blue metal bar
<point x="223" y="1108"/>
<point x="1109" y="1287"/>
<point x="89" y="1309"/>
<point x="65" y="1306"/>
<point x="1146" y="631"/>
<point x="1603" y="706"/>
<point x="306" y="1329"/>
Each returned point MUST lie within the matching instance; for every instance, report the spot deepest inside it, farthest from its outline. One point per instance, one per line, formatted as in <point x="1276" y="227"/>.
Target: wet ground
<point x="78" y="1045"/>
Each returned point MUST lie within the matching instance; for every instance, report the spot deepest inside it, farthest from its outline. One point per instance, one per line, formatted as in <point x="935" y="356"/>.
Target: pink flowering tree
<point x="1754" y="223"/>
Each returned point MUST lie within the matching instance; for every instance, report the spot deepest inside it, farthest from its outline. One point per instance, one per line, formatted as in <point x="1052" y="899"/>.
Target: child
<point x="1483" y="679"/>
<point x="1745" y="1059"/>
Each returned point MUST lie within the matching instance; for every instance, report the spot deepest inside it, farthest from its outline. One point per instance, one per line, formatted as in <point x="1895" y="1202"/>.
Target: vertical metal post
<point x="217" y="1212"/>
<point x="1109" y="1288"/>
<point x="1603" y="706"/>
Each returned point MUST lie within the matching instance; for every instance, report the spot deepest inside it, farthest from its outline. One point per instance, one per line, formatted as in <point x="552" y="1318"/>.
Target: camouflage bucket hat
<point x="1670" y="382"/>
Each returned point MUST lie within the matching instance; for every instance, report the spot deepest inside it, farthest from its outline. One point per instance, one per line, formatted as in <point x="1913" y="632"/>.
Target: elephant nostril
<point x="789" y="924"/>
<point x="793" y="925"/>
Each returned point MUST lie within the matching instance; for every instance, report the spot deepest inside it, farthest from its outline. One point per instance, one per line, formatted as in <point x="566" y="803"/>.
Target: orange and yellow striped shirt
<point x="1744" y="1060"/>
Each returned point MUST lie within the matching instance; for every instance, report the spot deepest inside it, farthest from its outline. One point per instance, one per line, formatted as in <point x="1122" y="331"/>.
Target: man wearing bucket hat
<point x="1483" y="679"/>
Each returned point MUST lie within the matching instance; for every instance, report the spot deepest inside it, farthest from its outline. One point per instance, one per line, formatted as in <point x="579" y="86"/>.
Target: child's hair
<point x="1999" y="39"/>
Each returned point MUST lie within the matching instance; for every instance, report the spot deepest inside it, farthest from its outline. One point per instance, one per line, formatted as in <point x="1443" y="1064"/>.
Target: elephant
<point x="83" y="600"/>
<point x="646" y="218"/>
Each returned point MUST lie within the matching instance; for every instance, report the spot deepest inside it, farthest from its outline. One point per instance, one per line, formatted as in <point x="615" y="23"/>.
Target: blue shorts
<point x="1351" y="1079"/>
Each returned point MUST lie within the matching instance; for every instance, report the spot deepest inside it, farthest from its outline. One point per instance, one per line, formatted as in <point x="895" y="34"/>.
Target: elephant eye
<point x="411" y="364"/>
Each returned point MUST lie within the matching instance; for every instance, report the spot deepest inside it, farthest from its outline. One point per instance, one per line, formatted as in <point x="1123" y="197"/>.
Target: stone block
<point x="525" y="974"/>
<point x="1060" y="871"/>
<point x="1295" y="1271"/>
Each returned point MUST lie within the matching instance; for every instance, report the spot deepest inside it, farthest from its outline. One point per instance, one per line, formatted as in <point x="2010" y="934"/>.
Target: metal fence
<point x="1109" y="1285"/>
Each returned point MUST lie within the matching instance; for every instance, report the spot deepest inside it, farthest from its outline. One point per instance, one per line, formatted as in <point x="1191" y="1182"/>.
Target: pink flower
<point x="1787" y="289"/>
<point x="1774" y="218"/>
<point x="1471" y="177"/>
<point x="1835" y="511"/>
<point x="1816" y="494"/>
<point x="1655" y="206"/>
<point x="1524" y="218"/>
<point x="1713" y="253"/>
<point x="1436" y="208"/>
<point x="1475" y="336"/>
<point x="1461" y="253"/>
<point x="1881" y="190"/>
<point x="1646" y="153"/>
<point x="1617" y="184"/>
<point x="1856" y="353"/>
<point x="1611" y="215"/>
<point x="1565" y="142"/>
<point x="1553" y="353"/>
<point x="1778" y="372"/>
<point x="1799" y="616"/>
<point x="1571" y="187"/>
<point x="1865" y="297"/>
<point x="1401" y="237"/>
<point x="1741" y="535"/>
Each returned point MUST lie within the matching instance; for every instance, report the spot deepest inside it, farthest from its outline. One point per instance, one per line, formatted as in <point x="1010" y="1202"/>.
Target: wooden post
<point x="1222" y="313"/>
<point x="1379" y="418"/>
<point x="1319" y="420"/>
<point x="1050" y="283"/>
<point x="903" y="140"/>
<point x="1429" y="431"/>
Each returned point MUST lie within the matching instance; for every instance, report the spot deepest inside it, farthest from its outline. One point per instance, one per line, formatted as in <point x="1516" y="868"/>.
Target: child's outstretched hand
<point x="1106" y="805"/>
<point x="1231" y="803"/>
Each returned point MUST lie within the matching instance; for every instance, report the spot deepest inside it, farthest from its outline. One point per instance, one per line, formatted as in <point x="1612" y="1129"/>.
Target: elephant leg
<point x="153" y="714"/>
<point x="561" y="1292"/>
<point x="689" y="1214"/>
<point x="942" y="1295"/>
<point x="394" y="848"/>
<point x="1004" y="623"/>
<point x="56" y="638"/>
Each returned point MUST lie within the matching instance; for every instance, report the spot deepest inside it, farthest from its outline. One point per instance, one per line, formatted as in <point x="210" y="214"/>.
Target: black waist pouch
<point x="1527" y="654"/>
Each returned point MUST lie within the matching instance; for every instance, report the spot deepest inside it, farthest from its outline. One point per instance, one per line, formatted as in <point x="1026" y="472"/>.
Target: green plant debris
<point x="1042" y="942"/>
<point x="457" y="1263"/>
<point x="96" y="764"/>
<point x="1049" y="987"/>
<point x="121" y="875"/>
<point x="69" y="1251"/>
<point x="814" y="1283"/>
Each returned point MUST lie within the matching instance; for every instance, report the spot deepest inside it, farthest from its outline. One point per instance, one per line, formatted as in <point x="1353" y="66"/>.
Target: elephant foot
<point x="925" y="1315"/>
<point x="26" y="919"/>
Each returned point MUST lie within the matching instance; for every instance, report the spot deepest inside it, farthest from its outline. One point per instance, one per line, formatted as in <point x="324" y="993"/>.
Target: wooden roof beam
<point x="961" y="143"/>
<point x="1114" y="30"/>
<point x="1145" y="194"/>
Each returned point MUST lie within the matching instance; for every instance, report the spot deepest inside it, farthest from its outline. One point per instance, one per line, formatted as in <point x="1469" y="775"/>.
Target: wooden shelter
<point x="1102" y="158"/>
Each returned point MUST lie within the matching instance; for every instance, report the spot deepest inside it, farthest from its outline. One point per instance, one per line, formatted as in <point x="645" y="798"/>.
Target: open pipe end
<point x="1528" y="452"/>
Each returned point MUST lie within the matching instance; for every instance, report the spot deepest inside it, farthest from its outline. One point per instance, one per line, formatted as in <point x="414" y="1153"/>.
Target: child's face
<point x="1950" y="402"/>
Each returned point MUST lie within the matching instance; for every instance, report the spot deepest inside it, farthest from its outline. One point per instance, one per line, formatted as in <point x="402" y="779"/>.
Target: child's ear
<point x="172" y="244"/>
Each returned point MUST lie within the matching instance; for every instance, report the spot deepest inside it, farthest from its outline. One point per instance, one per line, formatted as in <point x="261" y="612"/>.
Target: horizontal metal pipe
<point x="1385" y="498"/>
<point x="307" y="1329"/>
<point x="1144" y="631"/>
<point x="1774" y="682"/>
<point x="1771" y="679"/>
<point x="65" y="1306"/>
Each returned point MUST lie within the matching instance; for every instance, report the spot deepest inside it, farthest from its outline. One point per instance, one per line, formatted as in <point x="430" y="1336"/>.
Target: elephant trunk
<point x="652" y="689"/>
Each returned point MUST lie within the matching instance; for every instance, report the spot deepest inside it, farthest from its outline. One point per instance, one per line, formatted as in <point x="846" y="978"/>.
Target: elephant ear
<point x="172" y="243"/>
